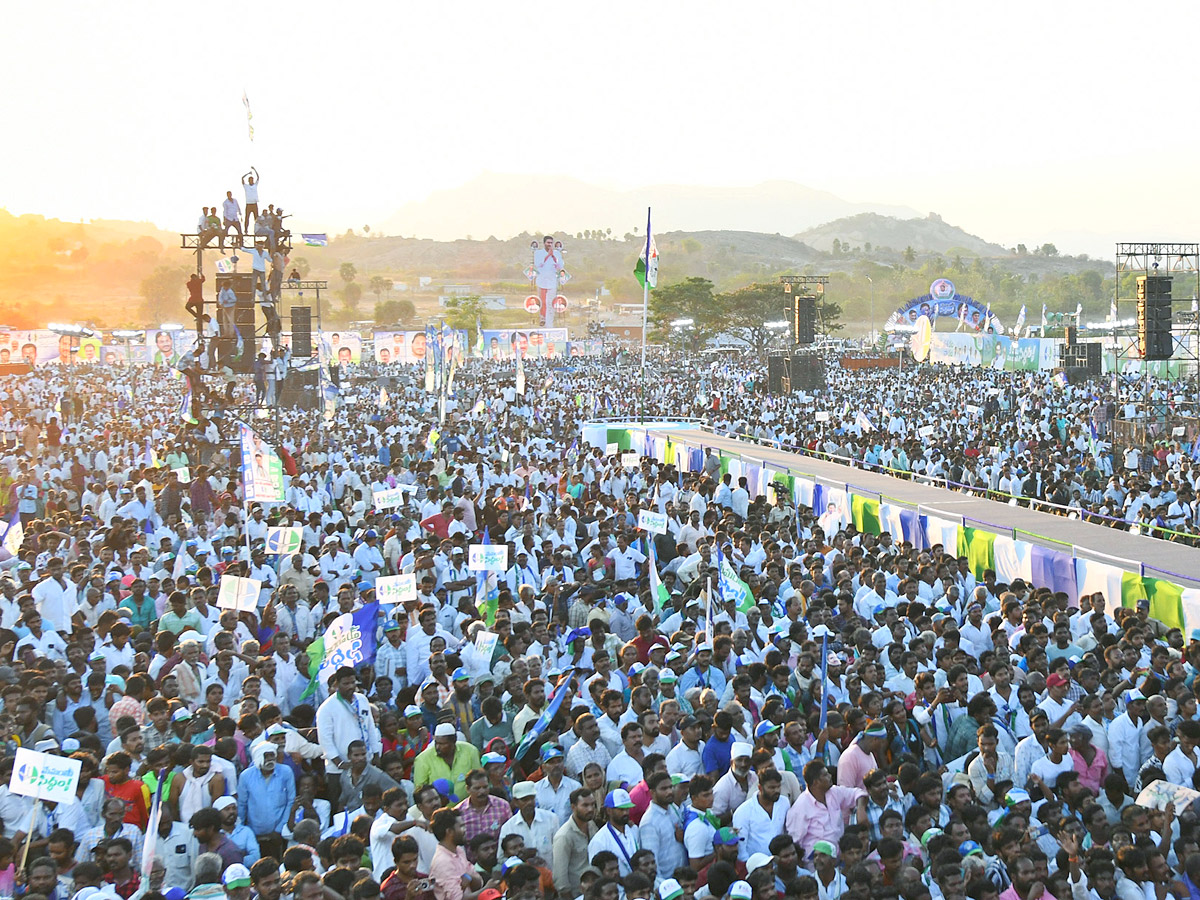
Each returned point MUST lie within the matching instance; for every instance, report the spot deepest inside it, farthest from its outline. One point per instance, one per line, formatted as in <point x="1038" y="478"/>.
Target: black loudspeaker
<point x="300" y="390"/>
<point x="1072" y="336"/>
<point x="779" y="374"/>
<point x="243" y="319"/>
<point x="1154" y="287"/>
<point x="302" y="332"/>
<point x="1154" y="327"/>
<point x="808" y="373"/>
<point x="804" y="320"/>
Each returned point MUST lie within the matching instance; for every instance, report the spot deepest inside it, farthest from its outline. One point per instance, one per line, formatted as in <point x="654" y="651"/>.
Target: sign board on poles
<point x="396" y="588"/>
<point x="487" y="557"/>
<point x="284" y="539"/>
<point x="653" y="522"/>
<point x="43" y="776"/>
<point x="239" y="593"/>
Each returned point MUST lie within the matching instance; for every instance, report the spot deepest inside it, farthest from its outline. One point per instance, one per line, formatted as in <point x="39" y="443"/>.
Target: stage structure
<point x="1152" y="281"/>
<point x="805" y="292"/>
<point x="255" y="318"/>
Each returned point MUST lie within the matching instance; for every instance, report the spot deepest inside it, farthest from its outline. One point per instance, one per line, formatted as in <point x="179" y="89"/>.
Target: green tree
<point x="1048" y="250"/>
<point x="829" y="317"/>
<point x="747" y="311"/>
<point x="462" y="313"/>
<point x="910" y="255"/>
<point x="377" y="285"/>
<point x="162" y="292"/>
<point x="837" y="247"/>
<point x="351" y="294"/>
<point x="302" y="267"/>
<point x="692" y="299"/>
<point x="348" y="272"/>
<point x="395" y="312"/>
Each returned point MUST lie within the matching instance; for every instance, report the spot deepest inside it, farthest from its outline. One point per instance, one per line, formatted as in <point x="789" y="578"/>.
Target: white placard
<point x="629" y="459"/>
<point x="612" y="449"/>
<point x="485" y="644"/>
<point x="44" y="776"/>
<point x="396" y="588"/>
<point x="927" y="431"/>
<point x="389" y="498"/>
<point x="238" y="593"/>
<point x="183" y="474"/>
<point x="487" y="557"/>
<point x="655" y="523"/>
<point x="284" y="539"/>
<point x="821" y="415"/>
<point x="973" y="410"/>
<point x="1179" y="431"/>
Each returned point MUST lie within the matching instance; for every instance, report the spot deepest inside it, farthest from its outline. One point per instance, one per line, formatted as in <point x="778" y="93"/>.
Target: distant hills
<point x="505" y="204"/>
<point x="925" y="235"/>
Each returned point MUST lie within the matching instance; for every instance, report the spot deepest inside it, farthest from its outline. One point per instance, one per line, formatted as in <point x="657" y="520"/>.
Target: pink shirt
<point x="809" y="820"/>
<point x="447" y="870"/>
<point x="1091" y="776"/>
<point x="1011" y="894"/>
<point x="853" y="766"/>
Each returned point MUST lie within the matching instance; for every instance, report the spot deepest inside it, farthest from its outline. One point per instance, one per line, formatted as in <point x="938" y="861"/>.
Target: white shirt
<point x="756" y="828"/>
<point x="622" y="844"/>
<point x="539" y="833"/>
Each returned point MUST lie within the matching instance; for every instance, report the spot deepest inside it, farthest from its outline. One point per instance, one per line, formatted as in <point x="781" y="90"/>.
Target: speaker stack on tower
<point x="1084" y="357"/>
<point x="243" y="319"/>
<point x="808" y="373"/>
<point x="1154" y="317"/>
<point x="302" y="347"/>
<point x="804" y="320"/>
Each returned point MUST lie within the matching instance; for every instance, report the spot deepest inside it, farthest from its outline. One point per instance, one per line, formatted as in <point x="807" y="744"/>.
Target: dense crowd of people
<point x="877" y="721"/>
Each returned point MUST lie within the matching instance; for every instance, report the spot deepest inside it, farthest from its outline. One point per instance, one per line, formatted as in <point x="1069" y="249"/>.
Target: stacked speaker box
<point x="808" y="373"/>
<point x="779" y="373"/>
<point x="804" y="320"/>
<point x="243" y="319"/>
<point x="1154" y="317"/>
<point x="300" y="391"/>
<point x="1087" y="357"/>
<point x="1072" y="336"/>
<point x="302" y="332"/>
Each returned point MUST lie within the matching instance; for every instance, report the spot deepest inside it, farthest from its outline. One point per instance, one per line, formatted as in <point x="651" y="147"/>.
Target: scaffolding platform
<point x="233" y="241"/>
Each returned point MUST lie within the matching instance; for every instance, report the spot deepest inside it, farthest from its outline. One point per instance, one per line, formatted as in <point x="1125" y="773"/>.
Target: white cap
<point x="741" y="750"/>
<point x="446" y="729"/>
<point x="221" y="802"/>
<point x="524" y="789"/>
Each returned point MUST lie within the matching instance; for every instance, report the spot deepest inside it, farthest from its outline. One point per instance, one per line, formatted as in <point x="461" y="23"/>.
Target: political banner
<point x="341" y="347"/>
<point x="43" y="776"/>
<point x="532" y="342"/>
<point x="409" y="346"/>
<point x="262" y="469"/>
<point x="284" y="539"/>
<point x="349" y="640"/>
<point x="943" y="302"/>
<point x="487" y="557"/>
<point x="238" y="593"/>
<point x="396" y="588"/>
<point x="653" y="522"/>
<point x="161" y="347"/>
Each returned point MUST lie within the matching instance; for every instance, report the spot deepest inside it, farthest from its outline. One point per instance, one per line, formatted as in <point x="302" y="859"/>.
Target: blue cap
<point x="969" y="848"/>
<point x="551" y="752"/>
<point x="371" y="533"/>
<point x="446" y="789"/>
<point x="391" y="625"/>
<point x="394" y="517"/>
<point x="364" y="586"/>
<point x="765" y="727"/>
<point x="489" y="758"/>
<point x="460" y="674"/>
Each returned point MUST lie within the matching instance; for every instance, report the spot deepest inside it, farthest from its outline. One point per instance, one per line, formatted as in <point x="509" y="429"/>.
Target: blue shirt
<point x="713" y="678"/>
<point x="716" y="755"/>
<point x="243" y="838"/>
<point x="273" y="798"/>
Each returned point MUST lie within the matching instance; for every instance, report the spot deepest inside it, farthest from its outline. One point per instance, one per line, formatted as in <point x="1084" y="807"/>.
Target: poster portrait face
<point x="64" y="348"/>
<point x="418" y="346"/>
<point x="344" y="354"/>
<point x="29" y="353"/>
<point x="165" y="343"/>
<point x="385" y="355"/>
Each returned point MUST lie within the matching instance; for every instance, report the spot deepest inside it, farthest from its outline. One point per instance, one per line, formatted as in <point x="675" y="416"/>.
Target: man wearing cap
<point x="447" y="757"/>
<point x="685" y="757"/>
<point x="1125" y="735"/>
<point x="536" y="826"/>
<point x="702" y="674"/>
<point x="553" y="791"/>
<point x="732" y="788"/>
<point x="619" y="836"/>
<point x="1061" y="712"/>
<point x="236" y="880"/>
<point x="345" y="717"/>
<point x="273" y="789"/>
<point x="831" y="883"/>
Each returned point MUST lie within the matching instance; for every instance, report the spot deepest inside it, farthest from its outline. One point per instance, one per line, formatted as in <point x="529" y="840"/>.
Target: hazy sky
<point x="1020" y="122"/>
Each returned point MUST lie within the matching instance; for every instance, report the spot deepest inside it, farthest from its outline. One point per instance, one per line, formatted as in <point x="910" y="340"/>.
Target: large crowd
<point x="881" y="721"/>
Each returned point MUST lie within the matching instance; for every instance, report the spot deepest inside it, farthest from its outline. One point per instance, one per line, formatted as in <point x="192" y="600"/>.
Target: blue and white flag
<point x="315" y="240"/>
<point x="14" y="534"/>
<point x="561" y="690"/>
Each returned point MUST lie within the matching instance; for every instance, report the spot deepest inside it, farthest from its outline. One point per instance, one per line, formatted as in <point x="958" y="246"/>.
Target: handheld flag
<point x="348" y="641"/>
<point x="1020" y="322"/>
<point x="249" y="115"/>
<point x="14" y="534"/>
<point x="658" y="591"/>
<point x="645" y="270"/>
<point x="561" y="690"/>
<point x="186" y="412"/>
<point x="383" y="397"/>
<point x="315" y="240"/>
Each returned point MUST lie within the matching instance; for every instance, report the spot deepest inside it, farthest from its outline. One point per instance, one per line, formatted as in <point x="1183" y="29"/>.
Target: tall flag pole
<point x="646" y="272"/>
<point x="824" y="674"/>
